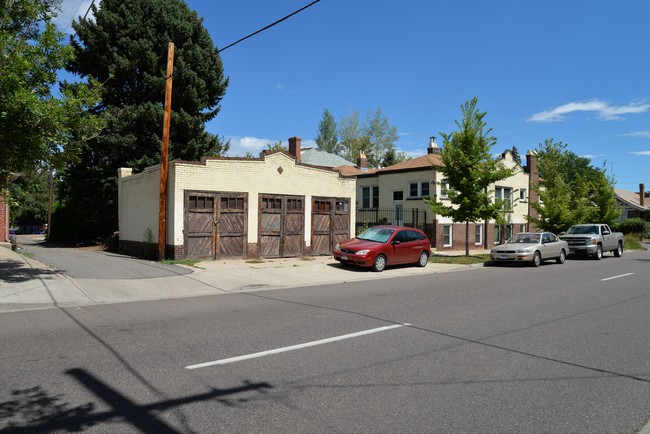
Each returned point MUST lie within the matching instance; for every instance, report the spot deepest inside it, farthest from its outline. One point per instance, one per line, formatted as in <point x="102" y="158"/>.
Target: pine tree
<point x="327" y="139"/>
<point x="124" y="46"/>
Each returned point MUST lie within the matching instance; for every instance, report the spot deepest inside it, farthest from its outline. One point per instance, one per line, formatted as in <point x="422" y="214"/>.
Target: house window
<point x="503" y="194"/>
<point x="446" y="235"/>
<point x="444" y="188"/>
<point x="478" y="234"/>
<point x="522" y="228"/>
<point x="232" y="203"/>
<point x="418" y="189"/>
<point x="369" y="197"/>
<point x="398" y="195"/>
<point x="523" y="195"/>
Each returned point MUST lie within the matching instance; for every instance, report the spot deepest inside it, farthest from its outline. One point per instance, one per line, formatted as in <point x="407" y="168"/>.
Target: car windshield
<point x="585" y="230"/>
<point x="524" y="238"/>
<point x="380" y="235"/>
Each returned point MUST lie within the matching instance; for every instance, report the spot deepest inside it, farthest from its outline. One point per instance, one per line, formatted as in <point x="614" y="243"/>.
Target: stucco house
<point x="271" y="206"/>
<point x="634" y="204"/>
<point x="395" y="194"/>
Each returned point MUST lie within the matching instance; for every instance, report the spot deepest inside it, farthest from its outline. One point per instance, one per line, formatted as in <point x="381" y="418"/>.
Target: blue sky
<point x="576" y="71"/>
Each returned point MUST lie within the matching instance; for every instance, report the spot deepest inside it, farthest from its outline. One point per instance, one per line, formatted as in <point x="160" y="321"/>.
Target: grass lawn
<point x="461" y="259"/>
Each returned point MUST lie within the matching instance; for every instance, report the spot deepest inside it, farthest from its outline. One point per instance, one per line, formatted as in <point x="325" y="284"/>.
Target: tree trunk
<point x="467" y="238"/>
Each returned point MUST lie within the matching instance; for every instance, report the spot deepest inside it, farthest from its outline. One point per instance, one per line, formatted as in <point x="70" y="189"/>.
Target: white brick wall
<point x="275" y="174"/>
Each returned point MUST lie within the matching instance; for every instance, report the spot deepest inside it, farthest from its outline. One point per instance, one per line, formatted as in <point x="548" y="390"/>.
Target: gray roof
<point x="317" y="157"/>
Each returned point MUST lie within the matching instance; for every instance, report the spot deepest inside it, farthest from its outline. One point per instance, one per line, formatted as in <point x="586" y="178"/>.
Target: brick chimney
<point x="433" y="146"/>
<point x="362" y="162"/>
<point x="641" y="194"/>
<point x="294" y="147"/>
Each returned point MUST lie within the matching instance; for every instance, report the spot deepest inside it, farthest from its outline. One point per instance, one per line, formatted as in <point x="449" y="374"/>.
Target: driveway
<point x="81" y="263"/>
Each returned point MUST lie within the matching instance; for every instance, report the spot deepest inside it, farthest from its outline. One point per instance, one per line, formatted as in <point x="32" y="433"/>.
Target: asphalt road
<point x="559" y="348"/>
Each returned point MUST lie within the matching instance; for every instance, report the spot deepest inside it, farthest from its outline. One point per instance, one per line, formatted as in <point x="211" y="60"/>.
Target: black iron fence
<point x="415" y="218"/>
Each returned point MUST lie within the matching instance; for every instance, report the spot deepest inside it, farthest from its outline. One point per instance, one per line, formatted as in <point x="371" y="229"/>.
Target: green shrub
<point x="635" y="226"/>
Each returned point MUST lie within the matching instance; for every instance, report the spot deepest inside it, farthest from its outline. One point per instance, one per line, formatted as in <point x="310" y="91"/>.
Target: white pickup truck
<point x="593" y="239"/>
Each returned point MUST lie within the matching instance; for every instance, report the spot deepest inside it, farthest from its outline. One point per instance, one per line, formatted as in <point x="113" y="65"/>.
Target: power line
<point x="269" y="26"/>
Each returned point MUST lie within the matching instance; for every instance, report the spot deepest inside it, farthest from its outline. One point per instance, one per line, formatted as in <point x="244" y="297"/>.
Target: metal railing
<point x="415" y="218"/>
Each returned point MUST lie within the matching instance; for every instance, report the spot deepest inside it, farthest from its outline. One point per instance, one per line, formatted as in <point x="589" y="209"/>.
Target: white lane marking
<point x="616" y="277"/>
<point x="293" y="347"/>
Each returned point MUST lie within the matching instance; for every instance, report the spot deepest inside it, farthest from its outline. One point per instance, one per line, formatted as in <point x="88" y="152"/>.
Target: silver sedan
<point x="532" y="247"/>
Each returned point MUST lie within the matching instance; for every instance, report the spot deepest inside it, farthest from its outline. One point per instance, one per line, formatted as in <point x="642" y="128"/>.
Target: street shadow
<point x="12" y="271"/>
<point x="34" y="410"/>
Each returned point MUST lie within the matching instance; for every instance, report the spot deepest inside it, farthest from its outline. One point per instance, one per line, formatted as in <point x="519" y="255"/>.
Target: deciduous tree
<point x="469" y="169"/>
<point x="38" y="122"/>
<point x="571" y="191"/>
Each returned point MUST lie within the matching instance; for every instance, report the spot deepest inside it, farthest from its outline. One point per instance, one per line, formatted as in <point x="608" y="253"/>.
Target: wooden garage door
<point x="330" y="223"/>
<point x="215" y="224"/>
<point x="199" y="224"/>
<point x="281" y="225"/>
<point x="232" y="224"/>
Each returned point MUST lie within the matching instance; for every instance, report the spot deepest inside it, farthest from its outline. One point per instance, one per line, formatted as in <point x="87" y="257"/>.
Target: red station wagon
<point x="380" y="246"/>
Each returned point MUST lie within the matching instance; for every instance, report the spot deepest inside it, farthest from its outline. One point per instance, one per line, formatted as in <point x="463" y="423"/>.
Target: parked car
<point x="592" y="239"/>
<point x="384" y="245"/>
<point x="532" y="247"/>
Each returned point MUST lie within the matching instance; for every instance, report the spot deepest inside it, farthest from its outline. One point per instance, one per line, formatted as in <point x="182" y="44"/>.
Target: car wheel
<point x="619" y="250"/>
<point x="599" y="252"/>
<point x="537" y="259"/>
<point x="379" y="263"/>
<point x="562" y="257"/>
<point x="424" y="259"/>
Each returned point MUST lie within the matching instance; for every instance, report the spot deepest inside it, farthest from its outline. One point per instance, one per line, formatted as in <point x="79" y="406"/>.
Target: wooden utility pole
<point x="164" y="155"/>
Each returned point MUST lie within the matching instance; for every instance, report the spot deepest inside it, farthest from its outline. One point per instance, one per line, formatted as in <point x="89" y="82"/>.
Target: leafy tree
<point x="36" y="124"/>
<point x="125" y="47"/>
<point x="352" y="138"/>
<point x="469" y="169"/>
<point x="30" y="197"/>
<point x="382" y="136"/>
<point x="571" y="191"/>
<point x="277" y="146"/>
<point x="374" y="137"/>
<point x="327" y="139"/>
<point x="515" y="155"/>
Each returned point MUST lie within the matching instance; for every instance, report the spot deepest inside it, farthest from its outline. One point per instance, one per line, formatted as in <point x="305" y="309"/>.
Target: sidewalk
<point x="28" y="284"/>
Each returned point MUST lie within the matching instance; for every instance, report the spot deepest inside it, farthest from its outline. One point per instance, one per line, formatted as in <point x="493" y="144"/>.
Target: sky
<point x="577" y="72"/>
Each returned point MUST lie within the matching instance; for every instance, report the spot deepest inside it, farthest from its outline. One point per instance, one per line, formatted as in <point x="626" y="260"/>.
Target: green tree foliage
<point x="277" y="146"/>
<point x="375" y="137"/>
<point x="36" y="123"/>
<point x="125" y="47"/>
<point x="30" y="197"/>
<point x="571" y="191"/>
<point x="469" y="169"/>
<point x="393" y="156"/>
<point x="327" y="139"/>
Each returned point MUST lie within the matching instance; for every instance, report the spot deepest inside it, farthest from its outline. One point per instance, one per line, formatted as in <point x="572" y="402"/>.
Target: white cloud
<point x="644" y="134"/>
<point x="641" y="153"/>
<point x="281" y="86"/>
<point x="72" y="9"/>
<point x="239" y="146"/>
<point x="603" y="110"/>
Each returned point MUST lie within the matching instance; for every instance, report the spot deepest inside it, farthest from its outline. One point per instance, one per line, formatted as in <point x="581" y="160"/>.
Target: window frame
<point x="419" y="189"/>
<point x="449" y="235"/>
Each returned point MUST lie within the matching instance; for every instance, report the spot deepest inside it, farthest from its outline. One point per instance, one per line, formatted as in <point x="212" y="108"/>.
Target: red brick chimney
<point x="294" y="147"/>
<point x="641" y="194"/>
